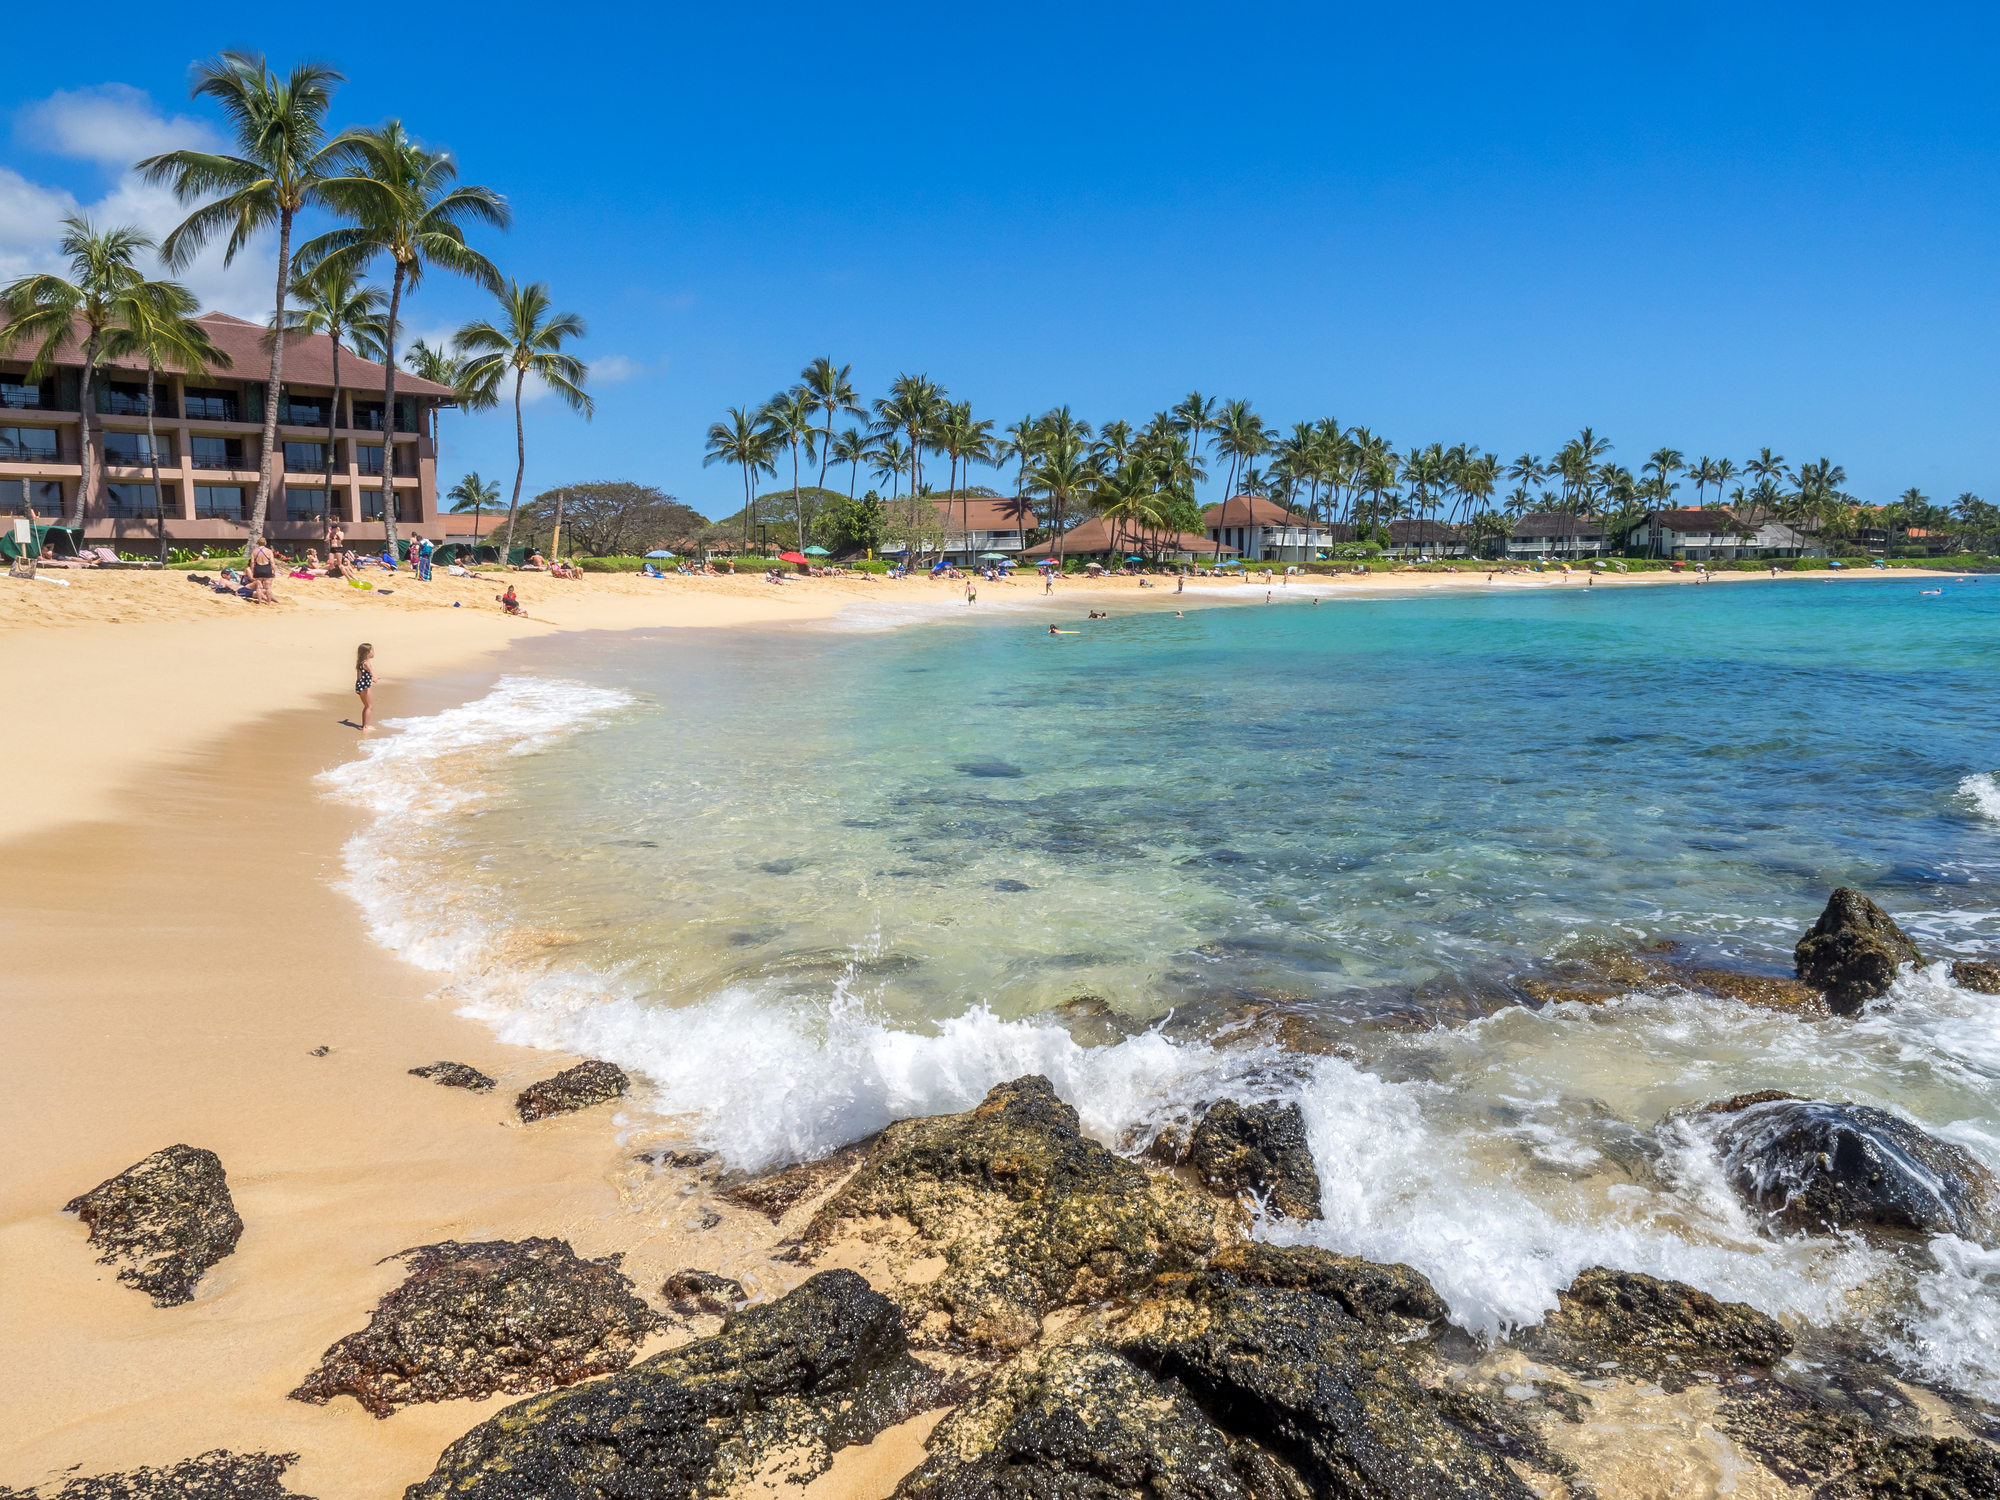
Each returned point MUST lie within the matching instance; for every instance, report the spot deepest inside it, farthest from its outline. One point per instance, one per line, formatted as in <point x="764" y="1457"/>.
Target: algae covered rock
<point x="1821" y="1167"/>
<point x="1853" y="952"/>
<point x="163" y="1221"/>
<point x="1027" y="1213"/>
<point x="1260" y="1150"/>
<point x="1366" y="1292"/>
<point x="572" y="1089"/>
<point x="1663" y="1329"/>
<point x="454" y="1075"/>
<point x="806" y="1375"/>
<point x="1980" y="975"/>
<point x="473" y="1319"/>
<point x="216" y="1475"/>
<point x="1837" y="1454"/>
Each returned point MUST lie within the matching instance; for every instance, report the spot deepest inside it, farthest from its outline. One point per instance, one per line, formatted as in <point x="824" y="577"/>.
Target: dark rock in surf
<point x="1768" y="991"/>
<point x="1839" y="1455"/>
<point x="1027" y="1212"/>
<point x="454" y="1075"/>
<point x="572" y="1089"/>
<point x="1259" y="1150"/>
<point x="163" y="1221"/>
<point x="1665" y="1330"/>
<point x="806" y="1375"/>
<point x="473" y="1319"/>
<point x="774" y="1194"/>
<point x="1391" y="1295"/>
<point x="1853" y="951"/>
<point x="1820" y="1167"/>
<point x="1976" y="974"/>
<point x="702" y="1293"/>
<point x="216" y="1475"/>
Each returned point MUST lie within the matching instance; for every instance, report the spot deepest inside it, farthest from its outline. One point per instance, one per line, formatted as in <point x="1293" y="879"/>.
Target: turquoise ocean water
<point x="810" y="880"/>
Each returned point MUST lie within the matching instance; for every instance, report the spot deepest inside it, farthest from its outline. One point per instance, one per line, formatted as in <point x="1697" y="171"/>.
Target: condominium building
<point x="209" y="430"/>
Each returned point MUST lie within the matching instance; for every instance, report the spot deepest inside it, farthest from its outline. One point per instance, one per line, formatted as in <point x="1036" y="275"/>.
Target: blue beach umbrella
<point x="659" y="554"/>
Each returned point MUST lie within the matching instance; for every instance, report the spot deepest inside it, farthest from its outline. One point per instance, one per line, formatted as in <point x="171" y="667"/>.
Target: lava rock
<point x="1084" y="1421"/>
<point x="1769" y="991"/>
<point x="472" y="1319"/>
<point x="1259" y="1150"/>
<point x="774" y="1194"/>
<point x="1366" y="1292"/>
<point x="1820" y="1167"/>
<point x="1976" y="974"/>
<point x="808" y="1374"/>
<point x="1662" y="1329"/>
<point x="167" y="1219"/>
<point x="1853" y="952"/>
<point x="1027" y="1213"/>
<point x="455" y="1075"/>
<point x="1839" y="1455"/>
<point x="574" y="1088"/>
<point x="702" y="1292"/>
<point x="1349" y="1409"/>
<point x="217" y="1475"/>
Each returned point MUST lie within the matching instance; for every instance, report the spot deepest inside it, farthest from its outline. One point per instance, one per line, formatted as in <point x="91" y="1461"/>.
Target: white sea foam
<point x="1499" y="1216"/>
<point x="1983" y="792"/>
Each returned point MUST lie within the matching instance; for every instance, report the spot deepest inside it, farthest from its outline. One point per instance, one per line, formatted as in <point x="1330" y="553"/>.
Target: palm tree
<point x="473" y="494"/>
<point x="1131" y="497"/>
<point x="1065" y="474"/>
<point x="403" y="202"/>
<point x="156" y="323"/>
<point x="279" y="170"/>
<point x="1239" y="432"/>
<point x="832" y="394"/>
<point x="1767" y="465"/>
<point x="333" y="301"/>
<point x="911" y="408"/>
<point x="1194" y="418"/>
<point x="528" y="340"/>
<point x="852" y="448"/>
<point x="743" y="441"/>
<point x="43" y="310"/>
<point x="437" y="365"/>
<point x="1702" y="472"/>
<point x="892" y="462"/>
<point x="788" y="417"/>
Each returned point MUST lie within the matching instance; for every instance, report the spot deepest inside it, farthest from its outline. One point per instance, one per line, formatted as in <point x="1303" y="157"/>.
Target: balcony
<point x="216" y="460"/>
<point x="216" y="503"/>
<point x="368" y="418"/>
<point x="369" y="461"/>
<point x="212" y="406"/>
<point x="27" y="445"/>
<point x="303" y="414"/>
<point x="305" y="458"/>
<point x="20" y="397"/>
<point x="130" y="401"/>
<point x="131" y="502"/>
<point x="126" y="456"/>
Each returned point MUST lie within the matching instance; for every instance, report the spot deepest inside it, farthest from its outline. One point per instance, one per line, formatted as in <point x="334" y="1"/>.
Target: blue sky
<point x="1713" y="227"/>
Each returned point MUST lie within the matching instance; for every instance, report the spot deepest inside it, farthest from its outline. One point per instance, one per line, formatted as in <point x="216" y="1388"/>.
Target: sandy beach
<point x="179" y="956"/>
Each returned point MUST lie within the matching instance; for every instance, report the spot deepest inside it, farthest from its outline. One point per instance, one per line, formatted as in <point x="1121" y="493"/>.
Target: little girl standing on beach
<point x="364" y="680"/>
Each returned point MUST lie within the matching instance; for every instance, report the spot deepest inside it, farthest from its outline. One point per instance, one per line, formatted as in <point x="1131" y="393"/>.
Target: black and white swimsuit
<point x="364" y="680"/>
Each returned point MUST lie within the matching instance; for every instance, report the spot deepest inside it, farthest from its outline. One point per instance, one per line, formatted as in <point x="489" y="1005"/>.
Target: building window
<point x="305" y="458"/>
<point x="297" y="413"/>
<point x="212" y="406"/>
<point x="122" y="400"/>
<point x="369" y="457"/>
<point x="132" y="501"/>
<point x="41" y="497"/>
<point x="368" y="416"/>
<point x="17" y="393"/>
<point x="371" y="506"/>
<point x="28" y="445"/>
<point x="216" y="452"/>
<point x="132" y="448"/>
<point x="304" y="505"/>
<point x="215" y="502"/>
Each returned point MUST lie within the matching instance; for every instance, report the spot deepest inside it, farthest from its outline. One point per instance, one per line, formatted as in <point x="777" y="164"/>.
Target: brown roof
<point x="1406" y="533"/>
<point x="308" y="359"/>
<point x="975" y="514"/>
<point x="1251" y="510"/>
<point x="1558" y="523"/>
<point x="1686" y="521"/>
<point x="1100" y="535"/>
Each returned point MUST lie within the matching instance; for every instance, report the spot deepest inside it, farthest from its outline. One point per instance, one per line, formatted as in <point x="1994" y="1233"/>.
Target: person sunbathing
<point x="535" y="561"/>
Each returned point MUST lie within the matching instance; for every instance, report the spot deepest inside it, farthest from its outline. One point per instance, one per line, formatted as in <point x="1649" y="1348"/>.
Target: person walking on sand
<point x="263" y="568"/>
<point x="364" y="681"/>
<point x="1048" y="583"/>
<point x="1180" y="583"/>
<point x="971" y="592"/>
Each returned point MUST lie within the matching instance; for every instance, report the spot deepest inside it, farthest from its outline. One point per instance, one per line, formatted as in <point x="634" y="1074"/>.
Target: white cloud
<point x="113" y="125"/>
<point x="612" y="368"/>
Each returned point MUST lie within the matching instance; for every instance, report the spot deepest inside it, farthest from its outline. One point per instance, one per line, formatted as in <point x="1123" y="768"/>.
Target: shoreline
<point x="110" y="701"/>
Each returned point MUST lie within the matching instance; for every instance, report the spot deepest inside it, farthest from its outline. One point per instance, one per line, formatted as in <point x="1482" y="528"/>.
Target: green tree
<point x="42" y="311"/>
<point x="1131" y="501"/>
<point x="474" y="494"/>
<point x="892" y="462"/>
<point x="911" y="408"/>
<point x="334" y="302"/>
<point x="1241" y="436"/>
<point x="741" y="440"/>
<point x="156" y="323"/>
<point x="1194" y="417"/>
<point x="527" y="340"/>
<point x="278" y="171"/>
<point x="788" y="417"/>
<point x="440" y="367"/>
<point x="404" y="200"/>
<point x="831" y="391"/>
<point x="854" y="449"/>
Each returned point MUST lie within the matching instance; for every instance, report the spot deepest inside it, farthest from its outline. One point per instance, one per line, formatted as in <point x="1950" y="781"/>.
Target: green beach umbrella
<point x="1000" y="555"/>
<point x="817" y="552"/>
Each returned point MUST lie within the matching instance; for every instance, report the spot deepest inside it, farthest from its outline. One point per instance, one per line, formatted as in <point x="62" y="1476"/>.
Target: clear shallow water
<point x="808" y="882"/>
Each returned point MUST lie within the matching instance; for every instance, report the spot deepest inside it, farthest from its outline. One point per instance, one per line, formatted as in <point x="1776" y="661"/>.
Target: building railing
<point x="369" y="461"/>
<point x="213" y="409"/>
<point x="137" y="458"/>
<point x="371" y="421"/>
<point x="119" y="403"/>
<point x="216" y="460"/>
<point x="21" y="397"/>
<point x="302" y="414"/>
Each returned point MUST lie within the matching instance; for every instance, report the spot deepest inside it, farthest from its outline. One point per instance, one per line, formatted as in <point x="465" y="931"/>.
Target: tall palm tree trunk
<point x="276" y="382"/>
<point x="86" y="486"/>
<point x="520" y="464"/>
<point x="746" y="507"/>
<point x="332" y="416"/>
<point x="153" y="453"/>
<point x="389" y="414"/>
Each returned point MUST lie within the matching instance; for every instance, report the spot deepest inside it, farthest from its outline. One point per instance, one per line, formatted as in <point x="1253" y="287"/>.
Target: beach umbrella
<point x="659" y="554"/>
<point x="790" y="557"/>
<point x="817" y="552"/>
<point x="995" y="556"/>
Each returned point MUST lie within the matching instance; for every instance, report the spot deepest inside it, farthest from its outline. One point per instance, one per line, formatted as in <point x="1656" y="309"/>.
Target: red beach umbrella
<point x="791" y="557"/>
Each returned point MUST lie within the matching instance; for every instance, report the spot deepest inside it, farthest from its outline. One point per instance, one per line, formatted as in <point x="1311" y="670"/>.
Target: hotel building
<point x="209" y="429"/>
